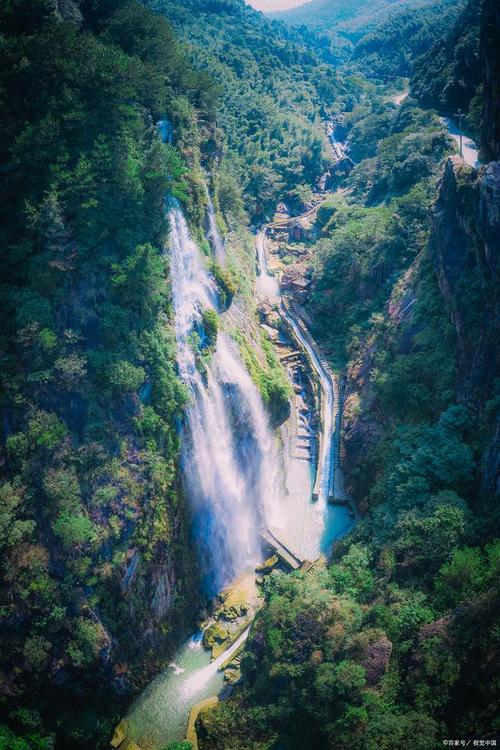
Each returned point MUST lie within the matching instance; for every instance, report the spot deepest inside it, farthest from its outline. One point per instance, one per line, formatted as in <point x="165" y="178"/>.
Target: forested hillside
<point x="90" y="397"/>
<point x="382" y="39"/>
<point x="397" y="40"/>
<point x="448" y="74"/>
<point x="273" y="85"/>
<point x="347" y="18"/>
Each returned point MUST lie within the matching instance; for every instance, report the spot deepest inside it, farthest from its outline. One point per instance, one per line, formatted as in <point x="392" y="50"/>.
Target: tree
<point x="74" y="529"/>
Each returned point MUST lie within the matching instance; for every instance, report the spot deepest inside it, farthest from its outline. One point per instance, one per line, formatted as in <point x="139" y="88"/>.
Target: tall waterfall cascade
<point x="214" y="233"/>
<point x="229" y="454"/>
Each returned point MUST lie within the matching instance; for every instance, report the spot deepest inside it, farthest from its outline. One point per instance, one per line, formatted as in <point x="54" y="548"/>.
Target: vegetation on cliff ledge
<point x="95" y="559"/>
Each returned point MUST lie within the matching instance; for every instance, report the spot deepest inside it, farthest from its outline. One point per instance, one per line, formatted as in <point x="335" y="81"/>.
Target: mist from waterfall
<point x="229" y="454"/>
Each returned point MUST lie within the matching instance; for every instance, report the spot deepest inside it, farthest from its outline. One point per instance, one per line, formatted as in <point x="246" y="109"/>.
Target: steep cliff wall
<point x="464" y="247"/>
<point x="490" y="61"/>
<point x="463" y="258"/>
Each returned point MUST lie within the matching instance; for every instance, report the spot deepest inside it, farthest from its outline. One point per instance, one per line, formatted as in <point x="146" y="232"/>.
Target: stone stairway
<point x="302" y="444"/>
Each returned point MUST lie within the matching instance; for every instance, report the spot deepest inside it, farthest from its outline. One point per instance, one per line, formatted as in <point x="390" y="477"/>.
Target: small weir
<point x="281" y="550"/>
<point x="214" y="234"/>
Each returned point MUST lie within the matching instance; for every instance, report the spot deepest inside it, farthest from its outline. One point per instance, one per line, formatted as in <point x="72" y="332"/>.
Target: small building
<point x="295" y="282"/>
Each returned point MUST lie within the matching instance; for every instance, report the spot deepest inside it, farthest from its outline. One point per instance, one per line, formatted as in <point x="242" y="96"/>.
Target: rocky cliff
<point x="490" y="61"/>
<point x="465" y="248"/>
<point x="463" y="252"/>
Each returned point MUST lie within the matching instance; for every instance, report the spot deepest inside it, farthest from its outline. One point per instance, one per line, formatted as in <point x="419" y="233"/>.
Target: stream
<point x="312" y="523"/>
<point x="160" y="715"/>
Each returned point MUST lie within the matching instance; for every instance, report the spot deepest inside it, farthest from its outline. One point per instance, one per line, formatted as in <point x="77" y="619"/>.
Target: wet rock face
<point x="376" y="660"/>
<point x="164" y="591"/>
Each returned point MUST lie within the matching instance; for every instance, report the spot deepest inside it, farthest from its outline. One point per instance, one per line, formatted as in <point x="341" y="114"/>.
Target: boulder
<point x="376" y="659"/>
<point x="294" y="281"/>
<point x="214" y="634"/>
<point x="234" y="604"/>
<point x="120" y="734"/>
<point x="268" y="565"/>
<point x="438" y="628"/>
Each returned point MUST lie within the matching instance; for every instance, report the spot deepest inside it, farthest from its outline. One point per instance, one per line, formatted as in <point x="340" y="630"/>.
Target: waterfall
<point x="214" y="234"/>
<point x="229" y="455"/>
<point x="267" y="286"/>
<point x="261" y="254"/>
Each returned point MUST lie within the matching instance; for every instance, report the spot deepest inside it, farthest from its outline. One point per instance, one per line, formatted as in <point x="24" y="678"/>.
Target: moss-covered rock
<point x="234" y="604"/>
<point x="268" y="565"/>
<point x="120" y="734"/>
<point x="214" y="634"/>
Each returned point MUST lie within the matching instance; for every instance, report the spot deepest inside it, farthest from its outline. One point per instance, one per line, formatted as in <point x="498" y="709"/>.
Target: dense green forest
<point x="90" y="397"/>
<point x="393" y="643"/>
<point x="273" y="85"/>
<point x="448" y="74"/>
<point x="384" y="39"/>
<point x="349" y="18"/>
<point x="390" y="48"/>
<point x="356" y="22"/>
<point x="368" y="242"/>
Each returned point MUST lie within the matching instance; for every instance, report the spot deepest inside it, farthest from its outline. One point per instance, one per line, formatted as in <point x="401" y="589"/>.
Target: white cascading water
<point x="229" y="453"/>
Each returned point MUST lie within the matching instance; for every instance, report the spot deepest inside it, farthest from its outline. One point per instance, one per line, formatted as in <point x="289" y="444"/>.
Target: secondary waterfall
<point x="214" y="233"/>
<point x="229" y="456"/>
